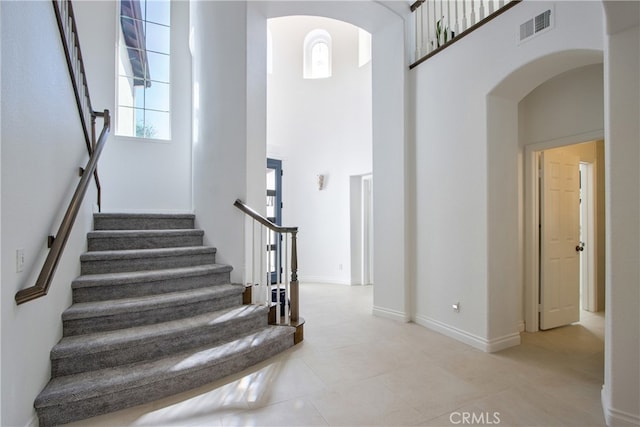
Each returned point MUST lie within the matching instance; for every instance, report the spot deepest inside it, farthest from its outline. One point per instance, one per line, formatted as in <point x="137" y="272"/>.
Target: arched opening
<point x="386" y="26"/>
<point x="321" y="129"/>
<point x="533" y="110"/>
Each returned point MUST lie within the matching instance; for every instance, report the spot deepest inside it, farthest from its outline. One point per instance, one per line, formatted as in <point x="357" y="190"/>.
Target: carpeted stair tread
<point x="145" y="253"/>
<point x="103" y="234"/>
<point x="114" y="380"/>
<point x="142" y="221"/>
<point x="87" y="310"/>
<point x="153" y="315"/>
<point x="143" y="239"/>
<point x="126" y="277"/>
<point x="99" y="262"/>
<point x="104" y="341"/>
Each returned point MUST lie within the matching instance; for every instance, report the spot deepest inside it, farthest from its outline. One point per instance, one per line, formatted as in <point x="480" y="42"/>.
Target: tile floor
<point x="354" y="369"/>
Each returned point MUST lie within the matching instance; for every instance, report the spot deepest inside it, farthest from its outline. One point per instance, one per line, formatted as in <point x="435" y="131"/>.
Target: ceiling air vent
<point x="535" y="25"/>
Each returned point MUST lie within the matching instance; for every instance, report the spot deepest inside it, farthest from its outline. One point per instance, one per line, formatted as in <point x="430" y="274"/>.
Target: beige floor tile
<point x="355" y="369"/>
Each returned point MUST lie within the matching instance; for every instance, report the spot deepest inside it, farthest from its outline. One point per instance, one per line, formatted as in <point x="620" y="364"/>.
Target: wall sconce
<point x="321" y="182"/>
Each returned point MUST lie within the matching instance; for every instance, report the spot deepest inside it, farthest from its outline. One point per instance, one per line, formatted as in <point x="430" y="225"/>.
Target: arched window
<point x="317" y="55"/>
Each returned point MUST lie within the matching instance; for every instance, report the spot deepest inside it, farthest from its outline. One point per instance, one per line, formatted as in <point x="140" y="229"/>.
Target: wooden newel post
<point x="294" y="278"/>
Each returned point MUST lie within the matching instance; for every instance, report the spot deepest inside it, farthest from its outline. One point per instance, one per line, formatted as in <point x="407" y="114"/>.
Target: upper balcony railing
<point x="439" y="23"/>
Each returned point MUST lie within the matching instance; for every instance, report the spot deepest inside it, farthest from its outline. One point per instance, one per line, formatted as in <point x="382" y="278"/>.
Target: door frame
<point x="276" y="165"/>
<point x="531" y="208"/>
<point x="588" y="288"/>
<point x="367" y="229"/>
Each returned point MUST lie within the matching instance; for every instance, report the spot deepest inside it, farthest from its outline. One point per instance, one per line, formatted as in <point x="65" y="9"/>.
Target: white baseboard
<point x="521" y="326"/>
<point x="614" y="417"/>
<point x="488" y="346"/>
<point x="390" y="314"/>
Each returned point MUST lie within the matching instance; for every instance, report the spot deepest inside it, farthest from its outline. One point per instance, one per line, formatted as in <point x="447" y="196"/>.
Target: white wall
<point x="571" y="103"/>
<point x="468" y="214"/>
<point x="140" y="175"/>
<point x="621" y="391"/>
<point x="319" y="126"/>
<point x="220" y="155"/>
<point x="469" y="197"/>
<point x="42" y="148"/>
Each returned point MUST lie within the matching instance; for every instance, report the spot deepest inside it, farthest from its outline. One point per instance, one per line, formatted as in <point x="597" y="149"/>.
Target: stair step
<point x="110" y="240"/>
<point x="100" y="262"/>
<point x="85" y="395"/>
<point x="101" y="287"/>
<point x="81" y="353"/>
<point x="142" y="221"/>
<point x="100" y="316"/>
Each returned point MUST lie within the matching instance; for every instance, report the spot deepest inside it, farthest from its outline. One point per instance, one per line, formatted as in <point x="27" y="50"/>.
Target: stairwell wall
<point x="42" y="146"/>
<point x="220" y="154"/>
<point x="140" y="175"/>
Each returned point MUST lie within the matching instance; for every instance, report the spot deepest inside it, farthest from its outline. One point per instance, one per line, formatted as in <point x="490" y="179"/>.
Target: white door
<point x="559" y="239"/>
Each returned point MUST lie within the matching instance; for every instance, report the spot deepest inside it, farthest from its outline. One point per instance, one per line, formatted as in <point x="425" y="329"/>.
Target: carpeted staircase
<point x="152" y="315"/>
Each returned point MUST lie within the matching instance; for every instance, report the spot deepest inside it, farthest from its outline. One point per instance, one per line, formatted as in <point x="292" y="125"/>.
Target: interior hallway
<point x="356" y="369"/>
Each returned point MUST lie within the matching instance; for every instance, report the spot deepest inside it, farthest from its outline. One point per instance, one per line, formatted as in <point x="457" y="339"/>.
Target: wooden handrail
<point x="55" y="253"/>
<point x="68" y="29"/>
<point x="416" y="5"/>
<point x="262" y="220"/>
<point x="71" y="45"/>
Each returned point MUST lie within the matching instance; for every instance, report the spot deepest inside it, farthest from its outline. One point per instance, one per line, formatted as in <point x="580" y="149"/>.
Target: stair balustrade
<point x="439" y="23"/>
<point x="71" y="45"/>
<point x="271" y="283"/>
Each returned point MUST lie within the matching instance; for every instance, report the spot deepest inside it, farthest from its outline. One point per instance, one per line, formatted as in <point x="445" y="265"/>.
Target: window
<point x="317" y="55"/>
<point x="144" y="83"/>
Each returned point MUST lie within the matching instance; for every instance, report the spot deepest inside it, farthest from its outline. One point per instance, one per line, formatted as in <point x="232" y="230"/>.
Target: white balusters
<point x="456" y="28"/>
<point x="464" y="15"/>
<point x="425" y="40"/>
<point x="448" y="21"/>
<point x="473" y="12"/>
<point x="272" y="267"/>
<point x="437" y="22"/>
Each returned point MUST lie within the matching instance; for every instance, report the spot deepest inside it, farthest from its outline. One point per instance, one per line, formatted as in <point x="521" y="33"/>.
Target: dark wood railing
<point x="71" y="44"/>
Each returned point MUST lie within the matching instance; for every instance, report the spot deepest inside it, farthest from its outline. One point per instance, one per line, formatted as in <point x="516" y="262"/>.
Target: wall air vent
<point x="536" y="25"/>
<point x="543" y="21"/>
<point x="526" y="29"/>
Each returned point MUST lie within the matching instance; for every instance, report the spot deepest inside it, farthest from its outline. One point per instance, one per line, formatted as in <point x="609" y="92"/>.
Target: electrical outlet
<point x="456" y="307"/>
<point x="19" y="260"/>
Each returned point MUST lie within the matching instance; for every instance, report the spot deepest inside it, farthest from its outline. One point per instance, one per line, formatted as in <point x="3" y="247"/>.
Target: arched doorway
<point x="386" y="23"/>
